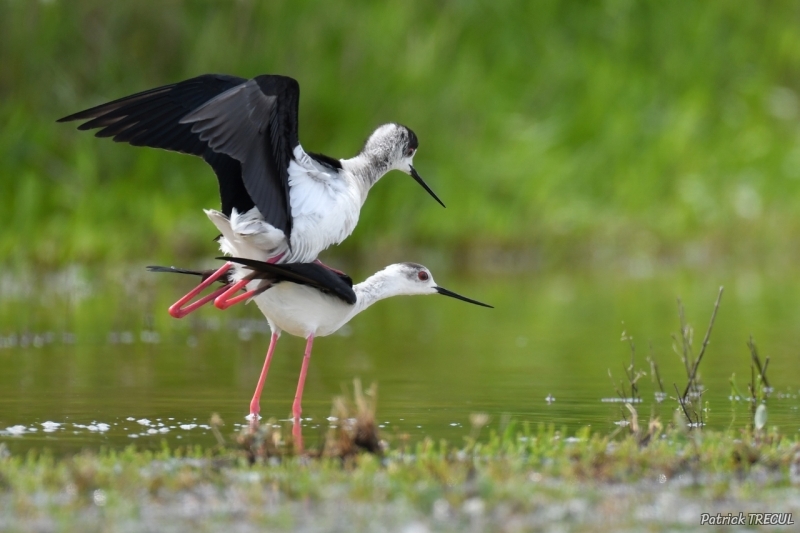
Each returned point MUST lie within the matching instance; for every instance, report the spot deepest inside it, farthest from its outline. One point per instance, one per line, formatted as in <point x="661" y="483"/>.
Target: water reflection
<point x="84" y="361"/>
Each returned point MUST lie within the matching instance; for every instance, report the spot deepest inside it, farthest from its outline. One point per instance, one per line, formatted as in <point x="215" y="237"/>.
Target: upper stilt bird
<point x="282" y="204"/>
<point x="309" y="300"/>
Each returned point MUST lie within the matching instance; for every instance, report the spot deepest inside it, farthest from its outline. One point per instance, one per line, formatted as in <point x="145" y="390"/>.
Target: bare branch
<point x="681" y="401"/>
<point x="762" y="370"/>
<point x="685" y="341"/>
<point x="706" y="339"/>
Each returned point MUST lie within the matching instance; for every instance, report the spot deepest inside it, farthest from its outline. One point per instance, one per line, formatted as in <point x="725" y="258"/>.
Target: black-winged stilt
<point x="280" y="203"/>
<point x="309" y="300"/>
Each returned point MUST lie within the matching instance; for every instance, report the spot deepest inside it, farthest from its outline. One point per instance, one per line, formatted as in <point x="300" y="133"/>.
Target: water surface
<point x="96" y="355"/>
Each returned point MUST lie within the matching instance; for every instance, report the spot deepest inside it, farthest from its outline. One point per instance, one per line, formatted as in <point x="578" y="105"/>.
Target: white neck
<point x="367" y="168"/>
<point x="375" y="288"/>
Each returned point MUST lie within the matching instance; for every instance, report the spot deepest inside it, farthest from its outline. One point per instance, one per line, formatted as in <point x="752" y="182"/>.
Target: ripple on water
<point x="149" y="428"/>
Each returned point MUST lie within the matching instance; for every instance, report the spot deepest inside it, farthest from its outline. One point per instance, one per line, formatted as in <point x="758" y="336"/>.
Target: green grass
<point x="518" y="479"/>
<point x="576" y="131"/>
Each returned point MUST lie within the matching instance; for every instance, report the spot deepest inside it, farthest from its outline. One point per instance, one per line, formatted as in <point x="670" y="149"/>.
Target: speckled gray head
<point x="394" y="142"/>
<point x="392" y="147"/>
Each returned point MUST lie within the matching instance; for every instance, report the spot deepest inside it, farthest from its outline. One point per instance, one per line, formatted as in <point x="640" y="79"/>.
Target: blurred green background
<point x="597" y="159"/>
<point x="560" y="134"/>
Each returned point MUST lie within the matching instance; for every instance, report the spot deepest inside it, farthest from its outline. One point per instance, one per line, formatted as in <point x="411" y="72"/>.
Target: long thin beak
<point x="419" y="180"/>
<point x="442" y="290"/>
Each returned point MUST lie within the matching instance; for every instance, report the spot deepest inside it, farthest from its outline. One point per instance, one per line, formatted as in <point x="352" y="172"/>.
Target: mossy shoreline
<point x="522" y="480"/>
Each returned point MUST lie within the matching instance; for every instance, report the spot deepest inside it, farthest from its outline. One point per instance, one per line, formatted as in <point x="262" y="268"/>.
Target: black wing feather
<point x="246" y="130"/>
<point x="170" y="102"/>
<point x="256" y="123"/>
<point x="282" y="125"/>
<point x="202" y="273"/>
<point x="152" y="118"/>
<point x="311" y="274"/>
<point x="232" y="191"/>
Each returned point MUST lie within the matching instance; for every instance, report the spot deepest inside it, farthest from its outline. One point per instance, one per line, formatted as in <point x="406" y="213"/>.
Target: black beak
<point x="419" y="180"/>
<point x="442" y="290"/>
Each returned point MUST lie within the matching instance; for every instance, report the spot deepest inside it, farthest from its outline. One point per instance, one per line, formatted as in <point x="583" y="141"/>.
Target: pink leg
<point x="298" y="396"/>
<point x="255" y="406"/>
<point x="177" y="310"/>
<point x="297" y="437"/>
<point x="226" y="298"/>
<point x="297" y="428"/>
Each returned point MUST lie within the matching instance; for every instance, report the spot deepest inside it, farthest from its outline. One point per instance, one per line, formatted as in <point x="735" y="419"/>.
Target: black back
<point x="326" y="160"/>
<point x="311" y="274"/>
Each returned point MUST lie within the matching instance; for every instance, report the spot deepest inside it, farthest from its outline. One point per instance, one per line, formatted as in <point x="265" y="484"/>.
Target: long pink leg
<point x="298" y="396"/>
<point x="255" y="405"/>
<point x="297" y="437"/>
<point x="226" y="298"/>
<point x="177" y="310"/>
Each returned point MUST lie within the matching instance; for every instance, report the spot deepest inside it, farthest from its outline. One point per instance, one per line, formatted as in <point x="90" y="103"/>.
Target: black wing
<point x="154" y="118"/>
<point x="311" y="274"/>
<point x="255" y="123"/>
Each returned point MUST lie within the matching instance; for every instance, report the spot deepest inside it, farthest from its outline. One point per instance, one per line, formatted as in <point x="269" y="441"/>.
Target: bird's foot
<point x="297" y="435"/>
<point x="253" y="421"/>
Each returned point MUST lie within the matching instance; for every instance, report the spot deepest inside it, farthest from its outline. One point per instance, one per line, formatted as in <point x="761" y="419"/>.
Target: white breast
<point x="325" y="207"/>
<point x="302" y="311"/>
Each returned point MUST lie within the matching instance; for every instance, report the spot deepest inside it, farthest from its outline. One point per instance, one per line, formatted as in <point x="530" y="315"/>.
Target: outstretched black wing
<point x="152" y="118"/>
<point x="311" y="274"/>
<point x="255" y="123"/>
<point x="245" y="129"/>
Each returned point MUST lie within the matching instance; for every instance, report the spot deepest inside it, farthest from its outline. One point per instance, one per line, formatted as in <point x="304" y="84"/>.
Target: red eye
<point x="423" y="276"/>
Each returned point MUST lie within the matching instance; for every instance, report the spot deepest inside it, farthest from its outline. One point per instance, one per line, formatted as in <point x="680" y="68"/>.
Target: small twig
<point x="699" y="401"/>
<point x="705" y="343"/>
<point x="615" y="385"/>
<point x="656" y="374"/>
<point x="734" y="388"/>
<point x="633" y="378"/>
<point x="629" y="373"/>
<point x="686" y="342"/>
<point x="680" y="401"/>
<point x="752" y="388"/>
<point x="633" y="351"/>
<point x="762" y="371"/>
<point x="215" y="423"/>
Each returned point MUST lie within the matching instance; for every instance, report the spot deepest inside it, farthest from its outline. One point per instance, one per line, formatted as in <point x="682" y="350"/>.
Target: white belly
<point x="303" y="311"/>
<point x="323" y="214"/>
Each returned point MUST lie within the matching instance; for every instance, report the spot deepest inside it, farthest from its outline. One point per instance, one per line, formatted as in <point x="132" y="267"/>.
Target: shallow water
<point x="92" y="359"/>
